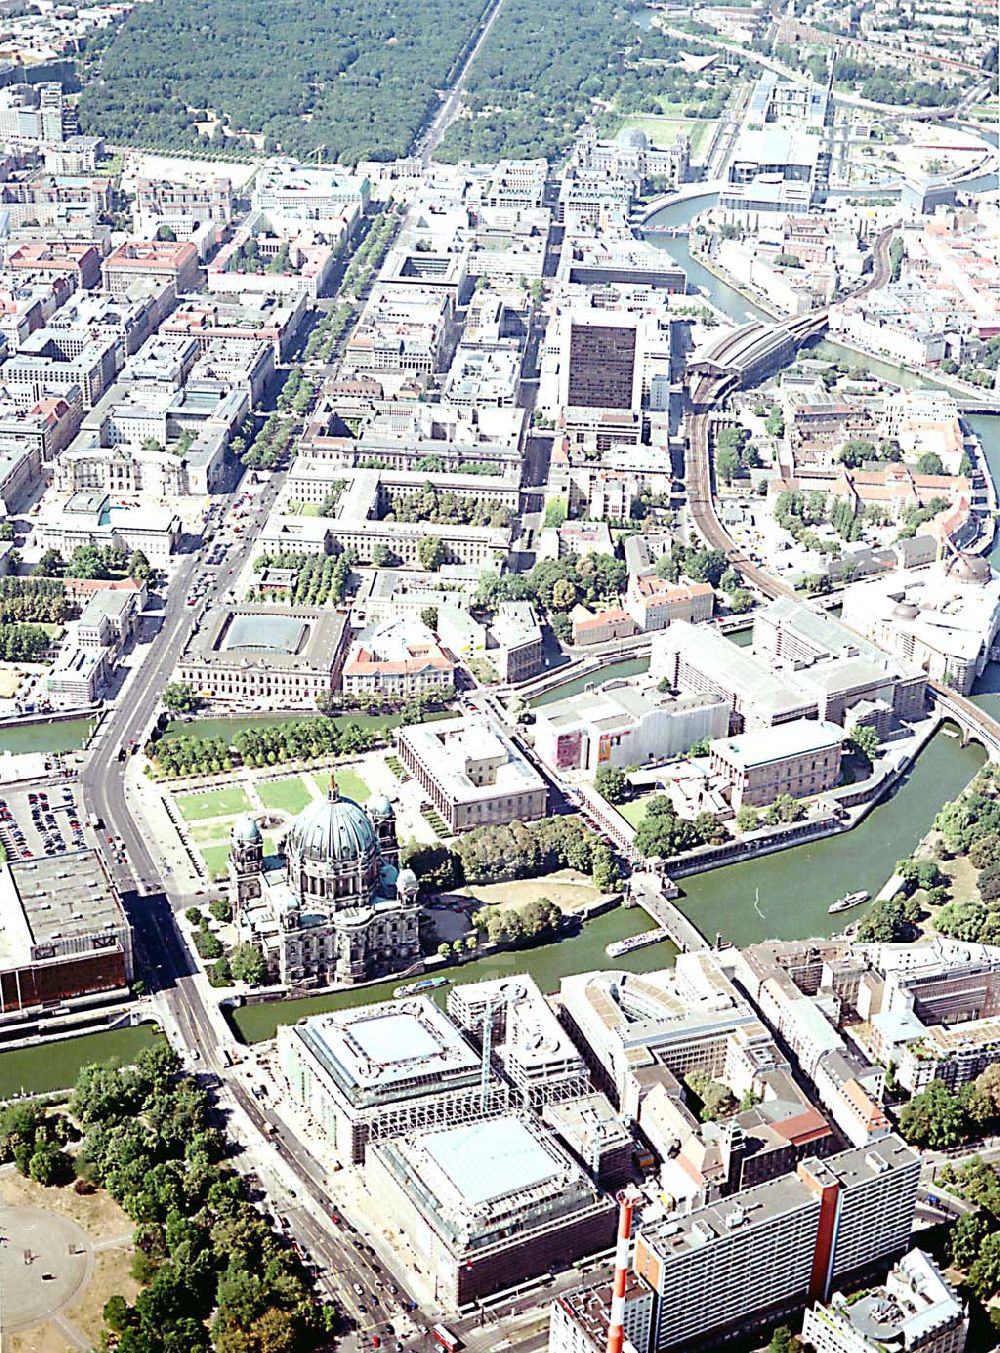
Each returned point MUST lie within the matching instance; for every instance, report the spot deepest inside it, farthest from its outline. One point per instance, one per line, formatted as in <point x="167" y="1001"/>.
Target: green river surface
<point x="548" y="964"/>
<point x="48" y="735"/>
<point x="42" y="1068"/>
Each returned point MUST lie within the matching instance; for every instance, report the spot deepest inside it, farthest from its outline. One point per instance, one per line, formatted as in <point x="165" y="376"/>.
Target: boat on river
<point x="619" y="947"/>
<point x="848" y="901"/>
<point x="425" y="984"/>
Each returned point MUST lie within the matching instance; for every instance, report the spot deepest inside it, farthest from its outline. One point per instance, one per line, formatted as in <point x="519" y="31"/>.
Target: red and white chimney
<point x="627" y="1200"/>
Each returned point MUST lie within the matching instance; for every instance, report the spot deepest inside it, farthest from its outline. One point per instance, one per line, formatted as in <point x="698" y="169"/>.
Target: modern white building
<point x="945" y="617"/>
<point x="625" y="723"/>
<point x="916" y="1310"/>
<point x="381" y="1070"/>
<point x="488" y="1204"/>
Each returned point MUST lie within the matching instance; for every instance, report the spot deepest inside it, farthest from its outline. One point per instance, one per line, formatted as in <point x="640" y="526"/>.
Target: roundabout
<point x="45" y="1261"/>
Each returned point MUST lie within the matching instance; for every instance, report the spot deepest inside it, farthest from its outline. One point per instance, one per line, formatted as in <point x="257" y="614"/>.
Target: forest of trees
<point x="547" y="63"/>
<point x="360" y="82"/>
<point x="516" y="850"/>
<point x="357" y="79"/>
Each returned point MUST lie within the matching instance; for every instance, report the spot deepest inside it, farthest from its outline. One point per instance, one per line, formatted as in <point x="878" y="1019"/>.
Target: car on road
<point x="359" y="1290"/>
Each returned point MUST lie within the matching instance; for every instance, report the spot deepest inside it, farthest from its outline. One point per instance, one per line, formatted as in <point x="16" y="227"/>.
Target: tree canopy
<point x="354" y="79"/>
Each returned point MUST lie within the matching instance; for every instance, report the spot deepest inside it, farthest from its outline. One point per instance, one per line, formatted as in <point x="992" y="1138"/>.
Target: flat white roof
<point x="395" y="1038"/>
<point x="763" y="746"/>
<point x="379" y="1047"/>
<point x="489" y="1159"/>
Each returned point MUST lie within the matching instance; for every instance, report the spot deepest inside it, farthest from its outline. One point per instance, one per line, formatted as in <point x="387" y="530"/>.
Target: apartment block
<point x="762" y="1254"/>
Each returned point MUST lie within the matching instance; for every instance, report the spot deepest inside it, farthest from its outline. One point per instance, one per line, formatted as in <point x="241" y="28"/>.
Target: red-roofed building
<point x="81" y="260"/>
<point x="164" y="260"/>
<point x="654" y="602"/>
<point x="600" y="628"/>
<point x="398" y="659"/>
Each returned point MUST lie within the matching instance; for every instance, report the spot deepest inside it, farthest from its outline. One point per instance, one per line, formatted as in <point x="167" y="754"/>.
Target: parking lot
<point x="39" y="822"/>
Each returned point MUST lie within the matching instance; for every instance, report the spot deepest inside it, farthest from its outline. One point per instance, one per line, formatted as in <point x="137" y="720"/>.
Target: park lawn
<point x="962" y="877"/>
<point x="567" y="888"/>
<point x="216" y="858"/>
<point x="289" y="795"/>
<point x="634" y="812"/>
<point x="213" y="803"/>
<point x="105" y="1222"/>
<point x="349" y="782"/>
<point x="111" y="1274"/>
<point x="211" y="829"/>
<point x="663" y="130"/>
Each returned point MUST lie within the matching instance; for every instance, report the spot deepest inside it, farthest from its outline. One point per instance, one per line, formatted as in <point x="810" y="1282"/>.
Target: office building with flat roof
<point x="76" y="678"/>
<point x="480" y="1230"/>
<point x="371" y="1073"/>
<point x="579" y="1320"/>
<point x="472" y="772"/>
<point x="602" y="365"/>
<point x="63" y="932"/>
<point x="261" y="655"/>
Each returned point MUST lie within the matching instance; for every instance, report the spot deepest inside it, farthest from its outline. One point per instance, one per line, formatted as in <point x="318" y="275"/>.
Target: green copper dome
<point x="332" y="830"/>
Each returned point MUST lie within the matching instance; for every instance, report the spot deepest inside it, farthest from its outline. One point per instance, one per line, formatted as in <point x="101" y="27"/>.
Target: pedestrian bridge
<point x="975" y="723"/>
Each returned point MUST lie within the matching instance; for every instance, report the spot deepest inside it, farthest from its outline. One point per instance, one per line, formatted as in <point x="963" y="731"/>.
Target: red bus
<point x="446" y="1339"/>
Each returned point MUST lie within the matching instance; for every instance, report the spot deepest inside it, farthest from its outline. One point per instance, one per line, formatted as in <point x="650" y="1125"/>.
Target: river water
<point x="49" y="735"/>
<point x="547" y="963"/>
<point x="786" y="896"/>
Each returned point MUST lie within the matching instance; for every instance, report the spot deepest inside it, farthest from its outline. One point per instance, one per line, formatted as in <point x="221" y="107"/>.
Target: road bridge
<point x="975" y="723"/>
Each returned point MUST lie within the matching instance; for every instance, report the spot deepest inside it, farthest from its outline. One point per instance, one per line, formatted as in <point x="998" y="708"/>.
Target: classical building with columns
<point x="333" y="906"/>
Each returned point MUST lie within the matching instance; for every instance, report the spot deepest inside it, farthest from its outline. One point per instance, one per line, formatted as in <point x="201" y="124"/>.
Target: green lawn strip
<point x="662" y="131"/>
<point x="635" y="810"/>
<point x="215" y="858"/>
<point x="349" y="782"/>
<point x="212" y="829"/>
<point x="213" y="803"/>
<point x="288" y="795"/>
